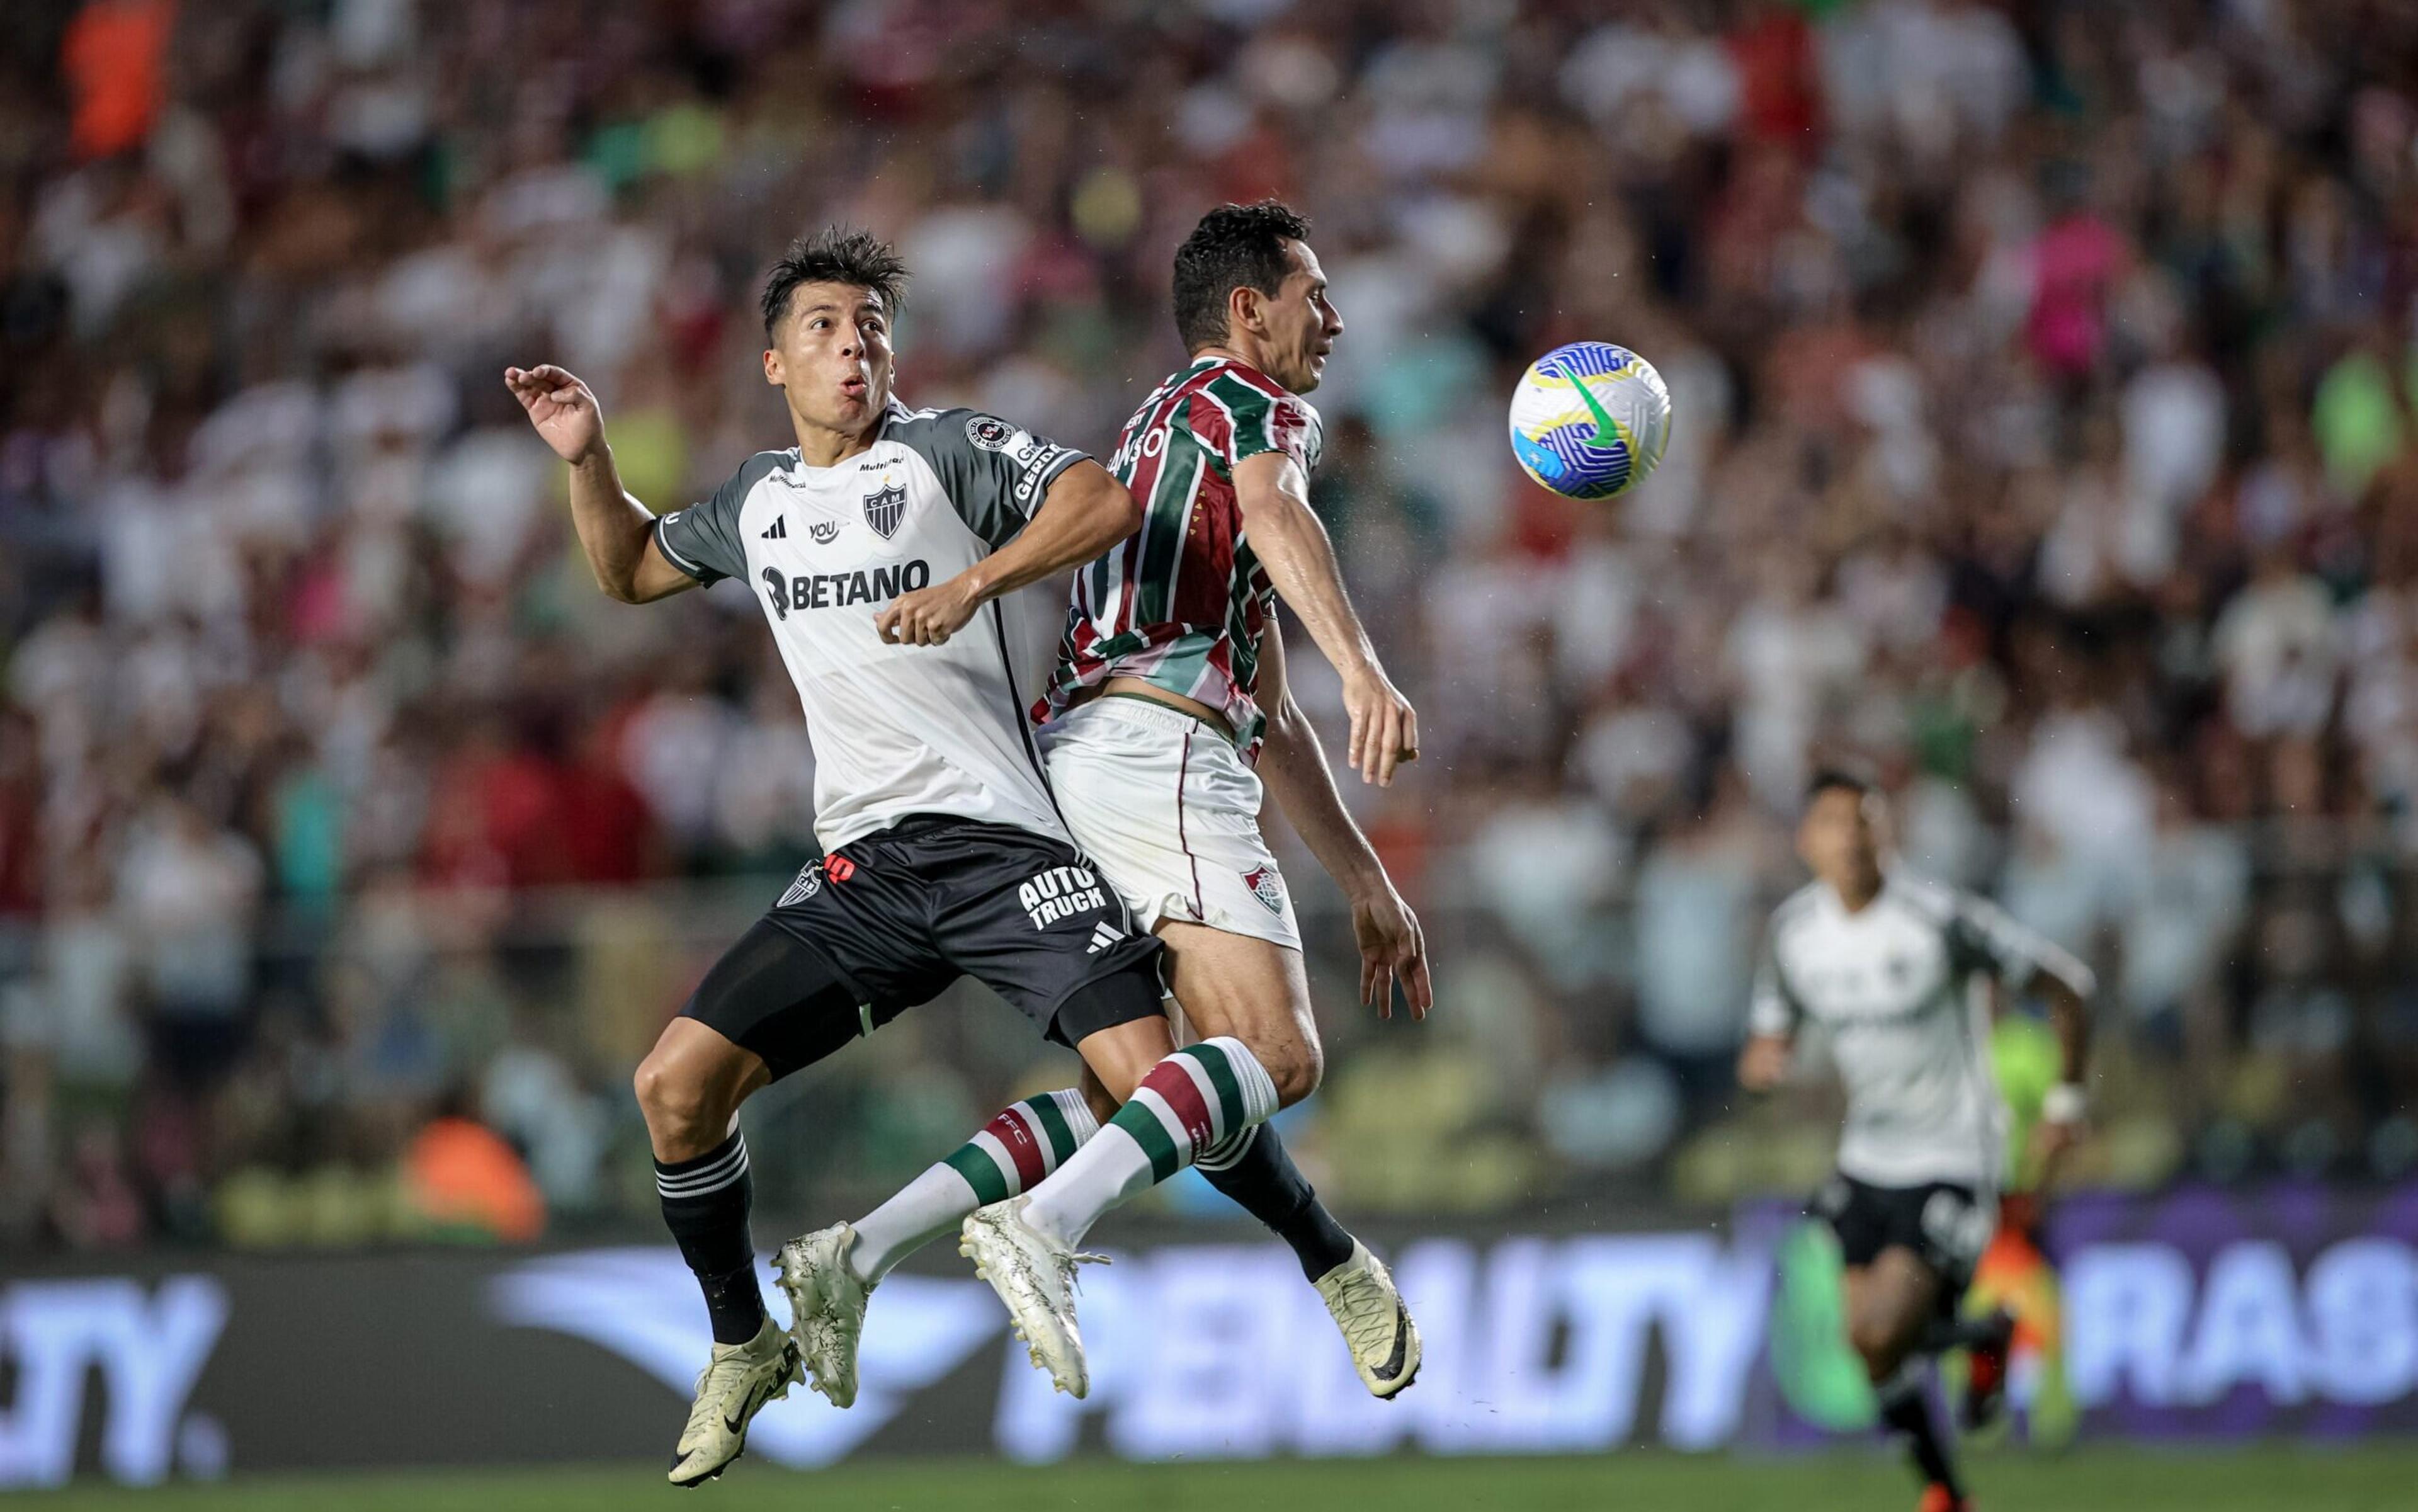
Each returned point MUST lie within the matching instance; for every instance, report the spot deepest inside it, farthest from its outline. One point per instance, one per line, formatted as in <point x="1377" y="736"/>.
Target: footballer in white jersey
<point x="884" y="550"/>
<point x="1895" y="971"/>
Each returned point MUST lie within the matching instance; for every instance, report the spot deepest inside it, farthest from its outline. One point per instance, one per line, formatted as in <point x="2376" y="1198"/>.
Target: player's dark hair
<point x="835" y="255"/>
<point x="1838" y="779"/>
<point x="1235" y="246"/>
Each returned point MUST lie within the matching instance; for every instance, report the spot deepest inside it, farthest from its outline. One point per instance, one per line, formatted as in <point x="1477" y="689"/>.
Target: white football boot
<point x="1377" y="1328"/>
<point x="730" y="1391"/>
<point x="1035" y="1276"/>
<point x="826" y="1307"/>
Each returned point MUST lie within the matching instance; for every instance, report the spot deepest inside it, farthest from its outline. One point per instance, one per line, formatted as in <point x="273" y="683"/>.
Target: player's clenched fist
<point x="928" y="616"/>
<point x="561" y="408"/>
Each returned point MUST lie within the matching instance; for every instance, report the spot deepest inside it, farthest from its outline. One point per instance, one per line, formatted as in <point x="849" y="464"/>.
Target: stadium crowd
<point x="2046" y="383"/>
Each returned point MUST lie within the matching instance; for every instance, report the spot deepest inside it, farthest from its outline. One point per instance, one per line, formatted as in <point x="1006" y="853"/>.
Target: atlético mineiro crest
<point x="883" y="507"/>
<point x="1267" y="887"/>
<point x="809" y="882"/>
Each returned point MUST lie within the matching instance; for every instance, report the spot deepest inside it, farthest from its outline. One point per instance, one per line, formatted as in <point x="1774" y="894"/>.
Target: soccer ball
<point x="1589" y="419"/>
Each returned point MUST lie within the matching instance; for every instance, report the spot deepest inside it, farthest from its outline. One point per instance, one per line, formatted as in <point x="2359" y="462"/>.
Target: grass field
<point x="2209" y="1480"/>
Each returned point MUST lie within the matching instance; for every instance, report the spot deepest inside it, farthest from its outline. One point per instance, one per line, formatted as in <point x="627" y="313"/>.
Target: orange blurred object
<point x="462" y="1174"/>
<point x="112" y="56"/>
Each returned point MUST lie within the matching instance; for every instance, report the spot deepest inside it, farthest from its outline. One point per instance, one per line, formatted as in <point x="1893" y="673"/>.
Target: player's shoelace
<point x="720" y="1375"/>
<point x="1366" y="1310"/>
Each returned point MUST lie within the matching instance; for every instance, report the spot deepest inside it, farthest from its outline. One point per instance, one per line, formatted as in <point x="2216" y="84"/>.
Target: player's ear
<point x="1243" y="309"/>
<point x="772" y="366"/>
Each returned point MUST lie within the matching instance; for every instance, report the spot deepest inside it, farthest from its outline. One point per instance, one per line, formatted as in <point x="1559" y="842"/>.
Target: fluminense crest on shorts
<point x="882" y="508"/>
<point x="1267" y="887"/>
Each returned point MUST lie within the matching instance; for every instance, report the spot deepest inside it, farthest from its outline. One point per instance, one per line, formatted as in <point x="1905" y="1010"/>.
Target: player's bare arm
<point x="1084" y="514"/>
<point x="1274" y="497"/>
<point x="615" y="528"/>
<point x="2063" y="1110"/>
<point x="1293" y="763"/>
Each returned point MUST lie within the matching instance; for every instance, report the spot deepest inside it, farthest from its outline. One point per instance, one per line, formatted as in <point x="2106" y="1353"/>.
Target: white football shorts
<point x="1165" y="806"/>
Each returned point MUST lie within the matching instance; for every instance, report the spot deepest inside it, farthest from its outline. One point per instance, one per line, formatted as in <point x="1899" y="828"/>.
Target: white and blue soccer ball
<point x="1589" y="419"/>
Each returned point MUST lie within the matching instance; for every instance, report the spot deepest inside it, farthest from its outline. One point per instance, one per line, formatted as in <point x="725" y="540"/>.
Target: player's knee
<point x="1297" y="1070"/>
<point x="674" y="1099"/>
<point x="1877" y="1341"/>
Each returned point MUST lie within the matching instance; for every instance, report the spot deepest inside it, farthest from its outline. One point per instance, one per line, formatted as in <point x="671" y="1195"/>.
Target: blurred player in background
<point x="1889" y="965"/>
<point x="869" y="546"/>
<point x="1168" y="709"/>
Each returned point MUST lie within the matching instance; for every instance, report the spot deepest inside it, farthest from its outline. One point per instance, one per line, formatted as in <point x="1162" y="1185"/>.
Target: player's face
<point x="1302" y="324"/>
<point x="832" y="355"/>
<point x="1840" y="838"/>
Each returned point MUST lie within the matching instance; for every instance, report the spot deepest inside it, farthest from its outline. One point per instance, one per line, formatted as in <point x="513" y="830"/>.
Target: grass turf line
<point x="2367" y="1478"/>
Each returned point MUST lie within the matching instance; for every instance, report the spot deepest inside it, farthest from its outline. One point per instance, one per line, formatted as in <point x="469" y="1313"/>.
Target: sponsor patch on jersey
<point x="825" y="531"/>
<point x="809" y="882"/>
<point x="990" y="433"/>
<point x="1267" y="887"/>
<point x="883" y="508"/>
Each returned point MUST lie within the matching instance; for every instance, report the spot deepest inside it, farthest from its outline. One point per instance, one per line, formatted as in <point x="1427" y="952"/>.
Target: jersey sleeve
<point x="1263" y="422"/>
<point x="703" y="540"/>
<point x="995" y="473"/>
<point x="1985" y="937"/>
<point x="1774" y="1008"/>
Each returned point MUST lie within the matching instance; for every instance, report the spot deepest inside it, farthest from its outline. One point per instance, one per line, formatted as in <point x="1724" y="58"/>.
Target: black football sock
<point x="1906" y="1408"/>
<point x="705" y="1205"/>
<point x="1264" y="1182"/>
<point x="1945" y="1333"/>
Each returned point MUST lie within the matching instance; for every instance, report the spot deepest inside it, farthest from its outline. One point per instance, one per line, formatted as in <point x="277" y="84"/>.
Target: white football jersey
<point x="896" y="730"/>
<point x="1894" y="986"/>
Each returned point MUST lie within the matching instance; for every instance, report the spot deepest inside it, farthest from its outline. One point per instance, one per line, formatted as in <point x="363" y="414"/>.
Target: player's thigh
<point x="1251" y="990"/>
<point x="1889" y="1301"/>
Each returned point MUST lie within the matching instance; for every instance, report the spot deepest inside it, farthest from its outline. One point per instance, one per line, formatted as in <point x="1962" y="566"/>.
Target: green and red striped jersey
<point x="1181" y="602"/>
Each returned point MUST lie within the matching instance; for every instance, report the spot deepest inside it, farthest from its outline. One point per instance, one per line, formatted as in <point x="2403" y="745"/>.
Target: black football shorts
<point x="887" y="922"/>
<point x="1945" y="1224"/>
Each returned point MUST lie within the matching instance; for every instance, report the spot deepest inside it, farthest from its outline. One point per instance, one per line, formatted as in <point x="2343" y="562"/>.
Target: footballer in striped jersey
<point x="1167" y="711"/>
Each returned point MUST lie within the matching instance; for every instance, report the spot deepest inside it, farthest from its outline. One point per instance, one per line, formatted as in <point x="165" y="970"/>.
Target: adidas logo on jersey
<point x="780" y="529"/>
<point x="1061" y="892"/>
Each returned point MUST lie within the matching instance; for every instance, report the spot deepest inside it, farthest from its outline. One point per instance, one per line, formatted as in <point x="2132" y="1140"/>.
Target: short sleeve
<point x="1985" y="937"/>
<point x="994" y="472"/>
<point x="1773" y="1009"/>
<point x="1273" y="423"/>
<point x="703" y="540"/>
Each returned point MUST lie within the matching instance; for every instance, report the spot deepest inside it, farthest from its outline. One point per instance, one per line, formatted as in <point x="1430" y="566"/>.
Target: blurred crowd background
<point x="2044" y="378"/>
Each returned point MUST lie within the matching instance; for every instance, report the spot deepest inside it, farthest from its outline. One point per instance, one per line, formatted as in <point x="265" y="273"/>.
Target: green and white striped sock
<point x="1011" y="1153"/>
<point x="1195" y="1101"/>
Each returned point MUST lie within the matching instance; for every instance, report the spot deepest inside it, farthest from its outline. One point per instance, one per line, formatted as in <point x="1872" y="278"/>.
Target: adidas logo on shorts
<point x="1103" y="936"/>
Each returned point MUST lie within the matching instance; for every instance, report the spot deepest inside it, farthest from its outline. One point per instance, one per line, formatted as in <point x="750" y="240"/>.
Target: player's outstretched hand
<point x="929" y="616"/>
<point x="564" y="409"/>
<point x="1384" y="728"/>
<point x="1392" y="949"/>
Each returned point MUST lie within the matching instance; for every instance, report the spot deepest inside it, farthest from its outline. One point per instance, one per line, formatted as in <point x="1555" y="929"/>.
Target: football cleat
<point x="1377" y="1328"/>
<point x="1938" y="1497"/>
<point x="730" y="1391"/>
<point x="826" y="1308"/>
<point x="1985" y="1377"/>
<point x="1035" y="1276"/>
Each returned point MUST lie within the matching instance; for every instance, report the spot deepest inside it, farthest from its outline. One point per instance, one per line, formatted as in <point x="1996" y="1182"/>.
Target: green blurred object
<point x="2336" y="1477"/>
<point x="2026" y="1058"/>
<point x="683" y="140"/>
<point x="2358" y="421"/>
<point x="1820" y="1378"/>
